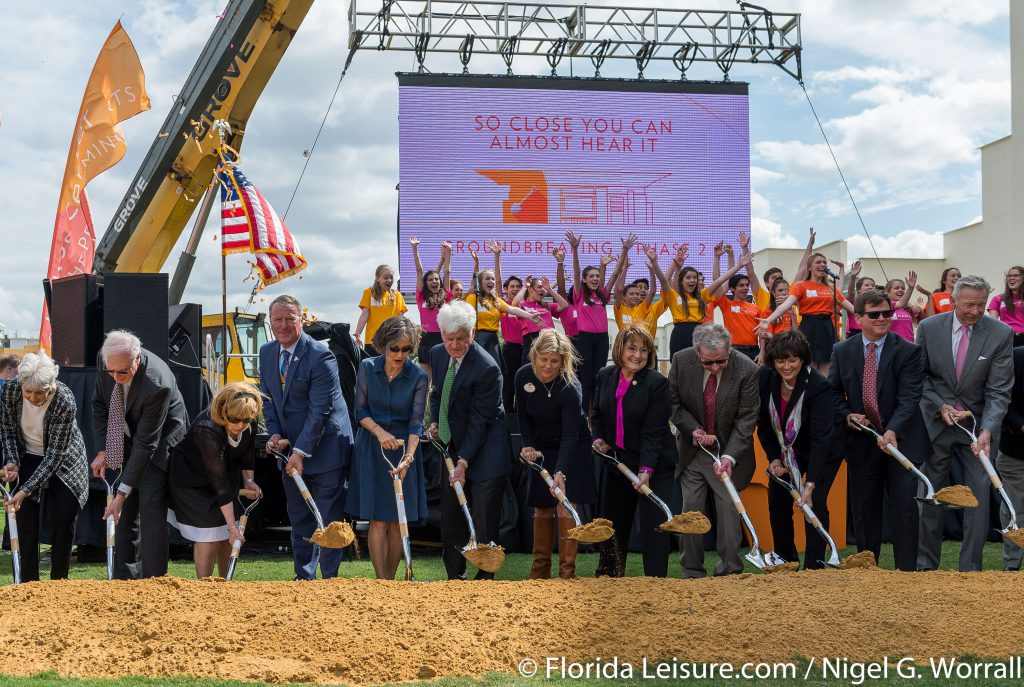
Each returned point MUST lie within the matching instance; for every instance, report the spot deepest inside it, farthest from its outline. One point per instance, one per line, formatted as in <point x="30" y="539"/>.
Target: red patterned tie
<point x="710" y="391"/>
<point x="115" y="428"/>
<point x="870" y="390"/>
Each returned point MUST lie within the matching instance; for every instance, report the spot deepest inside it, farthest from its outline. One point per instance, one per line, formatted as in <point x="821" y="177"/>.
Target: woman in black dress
<point x="216" y="457"/>
<point x="796" y="423"/>
<point x="632" y="404"/>
<point x="551" y="422"/>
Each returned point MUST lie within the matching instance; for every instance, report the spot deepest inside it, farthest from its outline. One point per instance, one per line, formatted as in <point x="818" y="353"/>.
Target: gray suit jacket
<point x="984" y="387"/>
<point x="736" y="407"/>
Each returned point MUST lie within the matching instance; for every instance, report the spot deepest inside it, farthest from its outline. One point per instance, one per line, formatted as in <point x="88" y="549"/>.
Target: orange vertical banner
<point x="116" y="91"/>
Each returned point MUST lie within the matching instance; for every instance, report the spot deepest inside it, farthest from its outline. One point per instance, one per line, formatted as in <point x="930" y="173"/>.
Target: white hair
<point x="455" y="317"/>
<point x="120" y="342"/>
<point x="37" y="372"/>
<point x="971" y="281"/>
<point x="712" y="337"/>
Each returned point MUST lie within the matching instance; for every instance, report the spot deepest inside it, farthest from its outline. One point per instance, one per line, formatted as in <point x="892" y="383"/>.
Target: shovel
<point x="1012" y="531"/>
<point x="595" y="532"/>
<point x="12" y="525"/>
<point x="337" y="535"/>
<point x="929" y="496"/>
<point x="253" y="497"/>
<point x="111" y="526"/>
<point x="833" y="560"/>
<point x="756" y="558"/>
<point x="403" y="520"/>
<point x="671" y="525"/>
<point x="488" y="557"/>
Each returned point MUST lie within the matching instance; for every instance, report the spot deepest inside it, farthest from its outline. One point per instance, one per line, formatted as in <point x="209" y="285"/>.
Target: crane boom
<point x="240" y="56"/>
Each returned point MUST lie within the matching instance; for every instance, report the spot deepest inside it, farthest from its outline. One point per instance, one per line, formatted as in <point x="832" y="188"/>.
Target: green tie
<point x="446" y="390"/>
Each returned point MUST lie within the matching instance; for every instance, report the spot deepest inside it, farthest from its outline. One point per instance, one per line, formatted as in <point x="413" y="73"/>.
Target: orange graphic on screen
<point x="527" y="200"/>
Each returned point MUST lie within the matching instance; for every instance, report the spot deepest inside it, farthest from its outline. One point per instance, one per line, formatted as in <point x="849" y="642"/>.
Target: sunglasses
<point x="237" y="420"/>
<point x="400" y="349"/>
<point x="710" y="363"/>
<point x="125" y="371"/>
<point x="885" y="314"/>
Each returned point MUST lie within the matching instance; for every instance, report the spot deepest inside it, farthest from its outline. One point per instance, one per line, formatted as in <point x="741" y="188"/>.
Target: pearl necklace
<point x="788" y="386"/>
<point x="546" y="387"/>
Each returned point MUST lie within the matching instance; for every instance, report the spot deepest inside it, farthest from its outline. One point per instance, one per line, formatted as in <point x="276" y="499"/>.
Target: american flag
<point x="250" y="225"/>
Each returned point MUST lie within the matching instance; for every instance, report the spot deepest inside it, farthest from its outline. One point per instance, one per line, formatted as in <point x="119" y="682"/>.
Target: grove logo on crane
<point x="222" y="91"/>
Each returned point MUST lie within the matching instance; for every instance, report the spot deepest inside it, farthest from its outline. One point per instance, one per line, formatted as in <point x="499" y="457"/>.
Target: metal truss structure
<point x="752" y="34"/>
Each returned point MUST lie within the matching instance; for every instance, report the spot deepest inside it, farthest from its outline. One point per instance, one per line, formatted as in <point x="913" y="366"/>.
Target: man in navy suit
<point x="305" y="411"/>
<point x="465" y="406"/>
<point x="886" y="394"/>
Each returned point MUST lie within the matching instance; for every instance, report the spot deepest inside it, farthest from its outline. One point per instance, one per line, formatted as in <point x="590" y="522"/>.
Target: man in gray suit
<point x="968" y="368"/>
<point x="714" y="394"/>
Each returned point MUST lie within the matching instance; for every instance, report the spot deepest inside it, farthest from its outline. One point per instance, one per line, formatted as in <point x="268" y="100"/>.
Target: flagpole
<point x="224" y="310"/>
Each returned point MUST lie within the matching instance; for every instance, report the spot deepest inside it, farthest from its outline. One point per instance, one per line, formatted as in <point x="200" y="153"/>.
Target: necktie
<point x="961" y="351"/>
<point x="285" y="359"/>
<point x="710" y="391"/>
<point x="446" y="391"/>
<point x="115" y="428"/>
<point x="961" y="357"/>
<point x="870" y="388"/>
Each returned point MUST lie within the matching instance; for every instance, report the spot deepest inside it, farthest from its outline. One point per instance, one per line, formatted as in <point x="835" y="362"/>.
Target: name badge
<point x="735" y="308"/>
<point x="811" y="293"/>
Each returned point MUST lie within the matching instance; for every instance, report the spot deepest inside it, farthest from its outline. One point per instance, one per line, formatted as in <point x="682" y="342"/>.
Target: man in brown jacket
<point x="714" y="394"/>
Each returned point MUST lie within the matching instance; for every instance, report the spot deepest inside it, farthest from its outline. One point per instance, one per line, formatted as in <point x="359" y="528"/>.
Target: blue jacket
<point x="475" y="413"/>
<point x="310" y="411"/>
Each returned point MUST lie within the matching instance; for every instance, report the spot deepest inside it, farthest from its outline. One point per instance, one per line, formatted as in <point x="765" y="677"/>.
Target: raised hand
<point x="719" y="249"/>
<point x="494" y="246"/>
<point x="855" y="268"/>
<point x="744" y="241"/>
<point x="650" y="251"/>
<point x="572" y="238"/>
<point x="629" y="241"/>
<point x="559" y="254"/>
<point x="744" y="260"/>
<point x="812" y="237"/>
<point x="607" y="260"/>
<point x="681" y="254"/>
<point x="413" y="241"/>
<point x="911" y="280"/>
<point x="546" y="283"/>
<point x="728" y="248"/>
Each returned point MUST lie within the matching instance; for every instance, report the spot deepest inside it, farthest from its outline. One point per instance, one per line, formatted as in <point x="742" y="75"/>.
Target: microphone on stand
<point x="831" y="274"/>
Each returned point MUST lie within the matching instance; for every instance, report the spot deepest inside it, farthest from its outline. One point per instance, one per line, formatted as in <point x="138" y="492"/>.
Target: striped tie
<point x="115" y="428"/>
<point x="443" y="428"/>
<point x="285" y="359"/>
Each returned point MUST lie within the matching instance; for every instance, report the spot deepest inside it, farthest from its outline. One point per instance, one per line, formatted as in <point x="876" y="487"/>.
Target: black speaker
<point x="185" y="334"/>
<point x="138" y="303"/>
<point x="76" y="320"/>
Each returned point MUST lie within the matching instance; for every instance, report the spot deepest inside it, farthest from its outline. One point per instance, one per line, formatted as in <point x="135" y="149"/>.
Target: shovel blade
<point x="937" y="503"/>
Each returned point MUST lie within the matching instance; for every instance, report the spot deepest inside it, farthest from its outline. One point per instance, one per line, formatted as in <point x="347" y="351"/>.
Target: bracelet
<point x="248" y="481"/>
<point x="809" y="484"/>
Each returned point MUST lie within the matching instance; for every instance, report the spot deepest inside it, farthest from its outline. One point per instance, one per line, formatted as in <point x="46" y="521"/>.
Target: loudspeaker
<point x="138" y="303"/>
<point x="76" y="319"/>
<point x="185" y="334"/>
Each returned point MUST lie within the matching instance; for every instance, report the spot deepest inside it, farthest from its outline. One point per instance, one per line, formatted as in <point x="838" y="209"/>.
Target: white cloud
<point x="910" y="243"/>
<point x="764" y="233"/>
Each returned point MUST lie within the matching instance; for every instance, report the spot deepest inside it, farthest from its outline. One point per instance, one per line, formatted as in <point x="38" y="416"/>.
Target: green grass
<point x="516" y="567"/>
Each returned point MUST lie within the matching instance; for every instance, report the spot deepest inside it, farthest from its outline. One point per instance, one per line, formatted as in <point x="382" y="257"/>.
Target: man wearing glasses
<point x="308" y="420"/>
<point x="138" y="415"/>
<point x="876" y="379"/>
<point x="714" y="396"/>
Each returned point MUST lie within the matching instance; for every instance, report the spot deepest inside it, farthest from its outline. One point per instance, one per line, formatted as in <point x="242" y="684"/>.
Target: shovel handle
<point x="236" y="546"/>
<point x="898" y="455"/>
<point x="733" y="494"/>
<point x="301" y="485"/>
<point x="12" y="524"/>
<point x="456" y="485"/>
<point x="403" y="519"/>
<point x="990" y="469"/>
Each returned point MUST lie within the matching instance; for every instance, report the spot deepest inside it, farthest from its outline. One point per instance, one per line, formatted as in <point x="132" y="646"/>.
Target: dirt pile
<point x="337" y="535"/>
<point x="366" y="631"/>
<point x="691" y="522"/>
<point x="864" y="559"/>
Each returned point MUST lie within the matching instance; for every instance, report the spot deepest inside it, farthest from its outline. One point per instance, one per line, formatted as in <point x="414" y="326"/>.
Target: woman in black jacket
<point x="216" y="457"/>
<point x="631" y="388"/>
<point x="796" y="424"/>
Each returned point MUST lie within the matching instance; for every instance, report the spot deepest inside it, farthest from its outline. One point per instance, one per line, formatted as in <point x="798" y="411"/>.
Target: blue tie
<point x="285" y="359"/>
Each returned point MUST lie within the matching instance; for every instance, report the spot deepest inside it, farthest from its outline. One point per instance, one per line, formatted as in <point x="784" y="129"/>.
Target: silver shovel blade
<point x="772" y="558"/>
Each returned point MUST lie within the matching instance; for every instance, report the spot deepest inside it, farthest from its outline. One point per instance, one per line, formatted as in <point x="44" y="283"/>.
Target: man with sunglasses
<point x="138" y="416"/>
<point x="715" y="396"/>
<point x="308" y="421"/>
<point x="876" y="379"/>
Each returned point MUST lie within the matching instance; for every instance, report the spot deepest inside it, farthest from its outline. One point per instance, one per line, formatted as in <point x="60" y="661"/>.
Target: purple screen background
<point x="691" y="185"/>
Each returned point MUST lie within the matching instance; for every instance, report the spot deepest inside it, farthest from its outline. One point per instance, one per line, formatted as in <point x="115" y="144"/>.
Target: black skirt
<point x="427" y="341"/>
<point x="682" y="337"/>
<point x="195" y="513"/>
<point x="821" y="335"/>
<point x="580" y="486"/>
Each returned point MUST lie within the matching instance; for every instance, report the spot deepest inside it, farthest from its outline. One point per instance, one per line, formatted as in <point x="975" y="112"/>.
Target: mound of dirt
<point x="597" y="530"/>
<point x="364" y="632"/>
<point x="957" y="495"/>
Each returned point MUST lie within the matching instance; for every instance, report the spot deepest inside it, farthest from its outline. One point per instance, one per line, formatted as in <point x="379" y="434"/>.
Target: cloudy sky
<point x="907" y="92"/>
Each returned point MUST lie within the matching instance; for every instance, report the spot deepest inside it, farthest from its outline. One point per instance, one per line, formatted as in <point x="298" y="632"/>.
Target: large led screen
<point x="522" y="160"/>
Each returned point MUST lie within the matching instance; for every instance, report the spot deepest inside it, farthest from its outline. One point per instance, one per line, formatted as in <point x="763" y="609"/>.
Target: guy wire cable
<point x="843" y="177"/>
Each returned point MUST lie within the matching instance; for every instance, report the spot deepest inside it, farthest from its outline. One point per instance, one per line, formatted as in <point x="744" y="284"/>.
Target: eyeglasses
<point x="1014" y="275"/>
<point x="400" y="349"/>
<point x="712" y="363"/>
<point x="875" y="314"/>
<point x="237" y="421"/>
<point x="641" y="351"/>
<point x="127" y="370"/>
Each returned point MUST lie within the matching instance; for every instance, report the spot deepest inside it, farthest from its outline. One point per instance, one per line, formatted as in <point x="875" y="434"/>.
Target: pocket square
<point x="981" y="357"/>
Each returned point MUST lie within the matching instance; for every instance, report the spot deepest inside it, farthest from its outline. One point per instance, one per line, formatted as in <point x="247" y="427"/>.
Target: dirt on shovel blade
<point x="691" y="522"/>
<point x="598" y="529"/>
<point x="486" y="557"/>
<point x="337" y="535"/>
<point x="864" y="559"/>
<point x="782" y="567"/>
<point x="1016" y="536"/>
<point x="957" y="495"/>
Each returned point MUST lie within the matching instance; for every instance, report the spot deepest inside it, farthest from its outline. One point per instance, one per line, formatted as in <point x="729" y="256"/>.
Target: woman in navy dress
<point x="391" y="397"/>
<point x="552" y="423"/>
